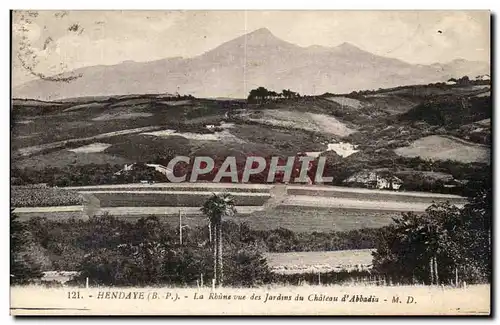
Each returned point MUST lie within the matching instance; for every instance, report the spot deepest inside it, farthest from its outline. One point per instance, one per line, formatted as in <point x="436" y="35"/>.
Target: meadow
<point x="314" y="219"/>
<point x="302" y="219"/>
<point x="436" y="147"/>
<point x="315" y="262"/>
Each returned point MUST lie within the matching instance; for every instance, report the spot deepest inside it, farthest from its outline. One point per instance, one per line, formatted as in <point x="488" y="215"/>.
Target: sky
<point x="53" y="42"/>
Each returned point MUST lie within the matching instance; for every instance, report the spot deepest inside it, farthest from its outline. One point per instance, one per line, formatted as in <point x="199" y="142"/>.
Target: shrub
<point x="22" y="269"/>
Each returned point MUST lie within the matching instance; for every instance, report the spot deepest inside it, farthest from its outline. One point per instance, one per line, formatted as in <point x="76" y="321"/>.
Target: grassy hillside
<point x="111" y="131"/>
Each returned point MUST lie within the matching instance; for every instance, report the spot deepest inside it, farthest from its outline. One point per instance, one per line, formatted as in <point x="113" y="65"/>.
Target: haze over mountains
<point x="255" y="59"/>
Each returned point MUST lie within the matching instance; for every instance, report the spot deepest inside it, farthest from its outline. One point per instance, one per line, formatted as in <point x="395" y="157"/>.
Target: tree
<point x="287" y="93"/>
<point x="444" y="244"/>
<point x="463" y="81"/>
<point x="260" y="93"/>
<point x="215" y="208"/>
<point x="22" y="269"/>
<point x="474" y="238"/>
<point x="272" y="94"/>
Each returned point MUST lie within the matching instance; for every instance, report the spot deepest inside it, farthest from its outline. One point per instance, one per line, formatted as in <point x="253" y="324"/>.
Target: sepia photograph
<point x="250" y="162"/>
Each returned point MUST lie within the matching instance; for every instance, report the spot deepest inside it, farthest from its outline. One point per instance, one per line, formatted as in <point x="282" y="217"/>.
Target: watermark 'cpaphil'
<point x="229" y="169"/>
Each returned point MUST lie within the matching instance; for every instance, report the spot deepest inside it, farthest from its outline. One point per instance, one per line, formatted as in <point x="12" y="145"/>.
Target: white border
<point x="185" y="4"/>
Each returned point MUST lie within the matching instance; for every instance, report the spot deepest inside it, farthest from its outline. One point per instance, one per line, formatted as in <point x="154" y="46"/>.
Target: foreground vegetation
<point x="446" y="244"/>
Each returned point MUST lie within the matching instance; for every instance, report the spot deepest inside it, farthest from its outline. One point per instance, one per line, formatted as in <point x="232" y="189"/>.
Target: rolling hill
<point x="387" y="131"/>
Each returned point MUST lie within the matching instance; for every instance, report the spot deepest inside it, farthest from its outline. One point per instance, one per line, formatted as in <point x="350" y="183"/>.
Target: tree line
<point x="101" y="248"/>
<point x="261" y="94"/>
<point x="444" y="245"/>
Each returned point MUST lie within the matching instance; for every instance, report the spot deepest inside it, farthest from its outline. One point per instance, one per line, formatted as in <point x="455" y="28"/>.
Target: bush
<point x="22" y="268"/>
<point x="441" y="244"/>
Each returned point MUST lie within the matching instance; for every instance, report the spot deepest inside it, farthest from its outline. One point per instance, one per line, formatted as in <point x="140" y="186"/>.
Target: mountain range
<point x="256" y="59"/>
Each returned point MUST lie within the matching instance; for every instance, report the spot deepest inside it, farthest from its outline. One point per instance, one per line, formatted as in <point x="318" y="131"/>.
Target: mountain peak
<point x="347" y="47"/>
<point x="261" y="32"/>
<point x="261" y="37"/>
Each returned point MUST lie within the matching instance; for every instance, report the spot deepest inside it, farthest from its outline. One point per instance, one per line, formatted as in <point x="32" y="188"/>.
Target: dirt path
<point x="346" y="203"/>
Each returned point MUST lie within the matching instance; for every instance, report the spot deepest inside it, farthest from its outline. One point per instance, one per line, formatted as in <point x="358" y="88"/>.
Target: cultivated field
<point x="412" y="300"/>
<point x="315" y="262"/>
<point x="443" y="148"/>
<point x="28" y="151"/>
<point x="295" y="218"/>
<point x="171" y="198"/>
<point x="371" y="195"/>
<point x="346" y="101"/>
<point x="195" y="186"/>
<point x="303" y="120"/>
<point x="317" y="219"/>
<point x="343" y="203"/>
<point x="37" y="196"/>
<point x="64" y="158"/>
<point x="295" y="207"/>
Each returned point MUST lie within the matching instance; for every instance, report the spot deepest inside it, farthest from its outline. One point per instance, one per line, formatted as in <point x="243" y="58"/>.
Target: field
<point x="314" y="262"/>
<point x="64" y="158"/>
<point x="140" y="130"/>
<point x="371" y="195"/>
<point x="171" y="199"/>
<point x="302" y="120"/>
<point x="442" y="148"/>
<point x="391" y="103"/>
<point x="346" y="101"/>
<point x="473" y="300"/>
<point x="31" y="196"/>
<point x="311" y="219"/>
<point x="198" y="186"/>
<point x="32" y="150"/>
<point x="295" y="218"/>
<point x="298" y="208"/>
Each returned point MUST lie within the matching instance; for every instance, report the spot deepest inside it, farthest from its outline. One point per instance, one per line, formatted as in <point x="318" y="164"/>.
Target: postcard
<point x="250" y="162"/>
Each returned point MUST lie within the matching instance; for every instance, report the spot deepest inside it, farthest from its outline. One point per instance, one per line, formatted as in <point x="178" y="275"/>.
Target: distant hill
<point x="451" y="112"/>
<point x="255" y="59"/>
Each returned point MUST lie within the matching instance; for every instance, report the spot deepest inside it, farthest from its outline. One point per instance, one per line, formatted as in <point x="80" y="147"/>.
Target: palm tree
<point x="215" y="208"/>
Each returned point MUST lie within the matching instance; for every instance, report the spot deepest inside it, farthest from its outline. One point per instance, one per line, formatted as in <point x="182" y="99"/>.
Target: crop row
<point x="30" y="196"/>
<point x="151" y="199"/>
<point x="167" y="187"/>
<point x="374" y="196"/>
